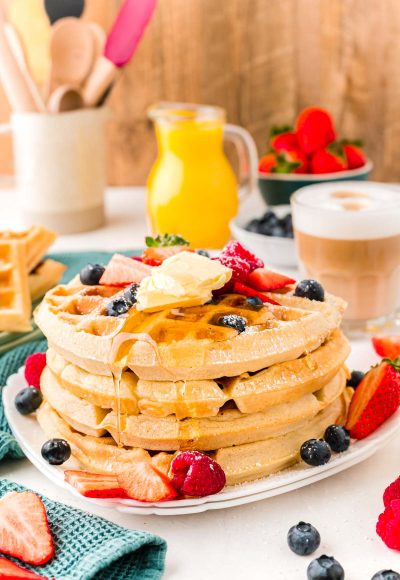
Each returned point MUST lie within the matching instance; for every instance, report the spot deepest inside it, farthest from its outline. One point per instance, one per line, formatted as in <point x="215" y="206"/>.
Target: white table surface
<point x="247" y="542"/>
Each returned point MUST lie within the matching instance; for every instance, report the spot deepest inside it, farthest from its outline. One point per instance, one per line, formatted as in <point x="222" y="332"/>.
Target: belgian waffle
<point x="36" y="240"/>
<point x="15" y="303"/>
<point x="43" y="277"/>
<point x="180" y="343"/>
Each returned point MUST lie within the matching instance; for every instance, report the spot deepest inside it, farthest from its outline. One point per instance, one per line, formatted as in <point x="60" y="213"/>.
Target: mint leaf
<point x="165" y="240"/>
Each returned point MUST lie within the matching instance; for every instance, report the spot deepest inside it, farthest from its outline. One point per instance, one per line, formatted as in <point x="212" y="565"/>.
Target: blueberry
<point x="56" y="451"/>
<point x="90" y="275"/>
<point x="355" y="379"/>
<point x="265" y="229"/>
<point x="278" y="231"/>
<point x="338" y="438"/>
<point x="303" y="539"/>
<point x="28" y="400"/>
<point x="255" y="302"/>
<point x="233" y="321"/>
<point x="117" y="307"/>
<point x="325" y="567"/>
<point x="253" y="226"/>
<point x="310" y="289"/>
<point x="203" y="253"/>
<point x="269" y="217"/>
<point x="130" y="294"/>
<point x="315" y="452"/>
<point x="386" y="575"/>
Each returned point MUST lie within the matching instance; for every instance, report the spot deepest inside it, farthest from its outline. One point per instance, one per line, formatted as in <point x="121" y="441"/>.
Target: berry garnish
<point x="143" y="482"/>
<point x="338" y="438"/>
<point x="90" y="275"/>
<point x="386" y="575"/>
<point x="233" y="321"/>
<point x="376" y="398"/>
<point x="255" y="302"/>
<point x="310" y="289"/>
<point x="325" y="568"/>
<point x="24" y="529"/>
<point x="388" y="526"/>
<point x="56" y="451"/>
<point x="266" y="280"/>
<point x="391" y="492"/>
<point x="196" y="474"/>
<point x="355" y="379"/>
<point x="94" y="484"/>
<point x="303" y="539"/>
<point x="165" y="241"/>
<point x="130" y="294"/>
<point x="315" y="452"/>
<point x="118" y="307"/>
<point x="240" y="268"/>
<point x="236" y="250"/>
<point x="239" y="288"/>
<point x="10" y="571"/>
<point x="28" y="400"/>
<point x="203" y="253"/>
<point x="122" y="271"/>
<point x="387" y="346"/>
<point x="34" y="366"/>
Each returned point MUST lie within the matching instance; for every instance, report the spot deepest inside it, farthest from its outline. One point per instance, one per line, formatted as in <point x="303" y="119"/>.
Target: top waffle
<point x="179" y="344"/>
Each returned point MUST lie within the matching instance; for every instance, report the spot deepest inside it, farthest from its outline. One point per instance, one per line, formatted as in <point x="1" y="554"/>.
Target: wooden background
<point x="263" y="60"/>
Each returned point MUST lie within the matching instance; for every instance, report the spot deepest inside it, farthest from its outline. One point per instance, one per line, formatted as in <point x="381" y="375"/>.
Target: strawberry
<point x="283" y="139"/>
<point x="387" y="346"/>
<point x="196" y="474"/>
<point x="293" y="161"/>
<point x="94" y="484"/>
<point x="34" y="366"/>
<point x="144" y="482"/>
<point x="376" y="398"/>
<point x="266" y="280"/>
<point x="24" y="529"/>
<point x="9" y="571"/>
<point x="267" y="163"/>
<point x="156" y="256"/>
<point x="314" y="129"/>
<point x="331" y="159"/>
<point x="239" y="288"/>
<point x="122" y="271"/>
<point x="355" y="156"/>
<point x="236" y="250"/>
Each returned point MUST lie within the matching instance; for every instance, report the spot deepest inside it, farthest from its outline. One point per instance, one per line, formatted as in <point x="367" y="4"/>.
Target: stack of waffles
<point x="25" y="276"/>
<point x="144" y="386"/>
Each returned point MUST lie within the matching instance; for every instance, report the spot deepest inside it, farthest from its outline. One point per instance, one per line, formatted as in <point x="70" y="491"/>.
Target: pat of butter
<point x="186" y="279"/>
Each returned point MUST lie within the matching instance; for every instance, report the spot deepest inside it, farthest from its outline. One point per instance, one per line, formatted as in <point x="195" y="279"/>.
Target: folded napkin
<point x="88" y="547"/>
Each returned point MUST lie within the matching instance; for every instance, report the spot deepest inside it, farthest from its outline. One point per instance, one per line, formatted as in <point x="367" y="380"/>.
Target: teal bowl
<point x="276" y="188"/>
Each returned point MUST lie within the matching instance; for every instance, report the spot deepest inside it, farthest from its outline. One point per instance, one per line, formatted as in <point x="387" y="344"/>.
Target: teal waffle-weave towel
<point x="14" y="359"/>
<point x="88" y="547"/>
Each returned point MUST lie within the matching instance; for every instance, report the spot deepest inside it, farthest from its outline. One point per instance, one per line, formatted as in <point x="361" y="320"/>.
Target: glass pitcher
<point x="192" y="188"/>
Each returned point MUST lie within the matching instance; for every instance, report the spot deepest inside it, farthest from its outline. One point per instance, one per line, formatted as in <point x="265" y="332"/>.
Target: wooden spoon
<point x="65" y="98"/>
<point x="72" y="53"/>
<point x="57" y="9"/>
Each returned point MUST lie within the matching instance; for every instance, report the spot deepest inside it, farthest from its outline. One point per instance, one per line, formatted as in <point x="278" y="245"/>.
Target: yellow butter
<point x="186" y="279"/>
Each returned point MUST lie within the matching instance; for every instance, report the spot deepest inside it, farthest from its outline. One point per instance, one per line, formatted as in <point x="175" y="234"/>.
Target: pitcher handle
<point x="248" y="157"/>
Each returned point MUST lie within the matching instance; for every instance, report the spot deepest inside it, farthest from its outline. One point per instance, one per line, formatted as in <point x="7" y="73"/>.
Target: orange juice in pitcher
<point x="192" y="188"/>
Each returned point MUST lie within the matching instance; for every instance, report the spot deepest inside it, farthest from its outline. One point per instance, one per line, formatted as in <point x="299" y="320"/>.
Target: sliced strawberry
<point x="355" y="156"/>
<point x="314" y="129"/>
<point x="376" y="398"/>
<point x="387" y="346"/>
<point x="9" y="571"/>
<point x="94" y="484"/>
<point x="156" y="256"/>
<point x="244" y="290"/>
<point x="144" y="482"/>
<point x="122" y="271"/>
<point x="24" y="528"/>
<point x="266" y="280"/>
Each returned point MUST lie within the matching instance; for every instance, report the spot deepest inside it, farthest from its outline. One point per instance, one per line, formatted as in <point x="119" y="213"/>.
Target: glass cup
<point x="348" y="237"/>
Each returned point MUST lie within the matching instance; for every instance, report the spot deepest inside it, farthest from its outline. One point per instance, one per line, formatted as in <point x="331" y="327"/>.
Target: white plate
<point x="31" y="438"/>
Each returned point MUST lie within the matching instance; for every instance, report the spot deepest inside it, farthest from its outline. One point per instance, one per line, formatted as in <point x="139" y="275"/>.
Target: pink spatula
<point x="120" y="47"/>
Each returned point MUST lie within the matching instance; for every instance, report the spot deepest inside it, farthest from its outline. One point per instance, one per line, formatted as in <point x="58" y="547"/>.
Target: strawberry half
<point x="314" y="129"/>
<point x="376" y="398"/>
<point x="94" y="484"/>
<point x="244" y="290"/>
<point x="24" y="528"/>
<point x="9" y="570"/>
<point x="122" y="271"/>
<point x="266" y="280"/>
<point x="156" y="256"/>
<point x="144" y="482"/>
<point x="387" y="346"/>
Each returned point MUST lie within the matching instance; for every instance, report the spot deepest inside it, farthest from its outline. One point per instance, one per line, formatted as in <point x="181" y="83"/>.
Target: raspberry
<point x="240" y="268"/>
<point x="236" y="250"/>
<point x="34" y="366"/>
<point x="388" y="525"/>
<point x="391" y="492"/>
<point x="196" y="474"/>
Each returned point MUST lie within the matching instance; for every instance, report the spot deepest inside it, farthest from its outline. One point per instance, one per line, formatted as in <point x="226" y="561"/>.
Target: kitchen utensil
<point x="13" y="79"/>
<point x="72" y="53"/>
<point x="65" y="98"/>
<point x="57" y="9"/>
<point x="121" y="45"/>
<point x="18" y="52"/>
<point x="29" y="19"/>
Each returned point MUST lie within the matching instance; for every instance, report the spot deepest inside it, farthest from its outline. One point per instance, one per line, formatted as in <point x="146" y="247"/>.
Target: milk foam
<point x="347" y="210"/>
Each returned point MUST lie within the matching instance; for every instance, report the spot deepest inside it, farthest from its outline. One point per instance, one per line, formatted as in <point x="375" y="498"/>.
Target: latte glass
<point x="348" y="238"/>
